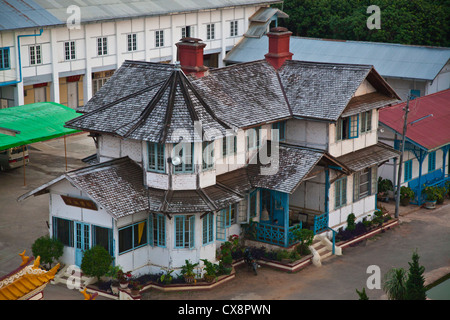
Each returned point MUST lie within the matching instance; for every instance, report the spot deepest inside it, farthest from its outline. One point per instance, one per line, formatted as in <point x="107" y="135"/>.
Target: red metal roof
<point x="428" y="119"/>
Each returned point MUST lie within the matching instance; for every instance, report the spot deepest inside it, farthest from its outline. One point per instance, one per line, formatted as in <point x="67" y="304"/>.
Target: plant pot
<point x="209" y="278"/>
<point x="189" y="279"/>
<point x="115" y="288"/>
<point x="404" y="202"/>
<point x="430" y="204"/>
<point x="135" y="292"/>
<point x="123" y="285"/>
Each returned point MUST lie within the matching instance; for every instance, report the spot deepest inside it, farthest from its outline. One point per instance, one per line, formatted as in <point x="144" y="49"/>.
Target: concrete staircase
<point x="72" y="277"/>
<point x="322" y="248"/>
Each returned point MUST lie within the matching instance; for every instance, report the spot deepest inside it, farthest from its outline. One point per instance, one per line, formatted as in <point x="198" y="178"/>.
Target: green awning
<point x="34" y="122"/>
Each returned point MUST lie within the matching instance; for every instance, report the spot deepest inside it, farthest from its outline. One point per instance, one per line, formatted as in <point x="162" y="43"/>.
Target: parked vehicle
<point x="13" y="158"/>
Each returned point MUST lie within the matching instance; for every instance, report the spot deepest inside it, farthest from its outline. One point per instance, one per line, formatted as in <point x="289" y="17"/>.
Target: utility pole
<point x="400" y="165"/>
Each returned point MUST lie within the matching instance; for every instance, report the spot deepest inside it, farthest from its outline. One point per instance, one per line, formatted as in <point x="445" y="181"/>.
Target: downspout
<point x="2" y="84"/>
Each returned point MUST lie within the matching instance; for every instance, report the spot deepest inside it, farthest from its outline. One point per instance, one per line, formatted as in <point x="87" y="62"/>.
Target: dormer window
<point x="207" y="155"/>
<point x="156" y="158"/>
<point x="347" y="128"/>
<point x="279" y="131"/>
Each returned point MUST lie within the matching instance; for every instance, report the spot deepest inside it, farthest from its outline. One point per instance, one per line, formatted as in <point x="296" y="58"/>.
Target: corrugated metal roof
<point x="428" y="119"/>
<point x="390" y="60"/>
<point x="17" y="14"/>
<point x="113" y="9"/>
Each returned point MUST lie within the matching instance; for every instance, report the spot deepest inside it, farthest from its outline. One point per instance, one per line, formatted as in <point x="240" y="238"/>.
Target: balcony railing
<point x="276" y="234"/>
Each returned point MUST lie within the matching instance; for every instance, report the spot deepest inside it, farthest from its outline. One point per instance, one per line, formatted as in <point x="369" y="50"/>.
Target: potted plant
<point x="167" y="277"/>
<point x="406" y="194"/>
<point x="441" y="195"/>
<point x="124" y="278"/>
<point x="188" y="271"/>
<point x="135" y="287"/>
<point x="113" y="274"/>
<point x="210" y="269"/>
<point x="385" y="187"/>
<point x="431" y="196"/>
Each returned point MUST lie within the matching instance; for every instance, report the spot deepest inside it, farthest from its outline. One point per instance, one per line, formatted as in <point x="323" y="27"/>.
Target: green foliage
<point x="188" y="268"/>
<point x="210" y="268"/>
<point x="406" y="193"/>
<point x="415" y="287"/>
<point x="385" y="185"/>
<point x="305" y="236"/>
<point x="362" y="294"/>
<point x="96" y="262"/>
<point x="351" y="222"/>
<point x="394" y="284"/>
<point x="167" y="277"/>
<point x="49" y="249"/>
<point x="418" y="22"/>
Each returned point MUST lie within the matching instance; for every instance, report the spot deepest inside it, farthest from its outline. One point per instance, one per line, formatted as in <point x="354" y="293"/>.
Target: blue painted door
<point x="82" y="240"/>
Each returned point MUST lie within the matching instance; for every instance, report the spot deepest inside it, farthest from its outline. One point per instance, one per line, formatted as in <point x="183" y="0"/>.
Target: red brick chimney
<point x="279" y="38"/>
<point x="190" y="55"/>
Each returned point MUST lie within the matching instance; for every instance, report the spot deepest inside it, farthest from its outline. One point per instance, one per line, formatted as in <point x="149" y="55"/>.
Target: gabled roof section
<point x="162" y="112"/>
<point x="320" y="90"/>
<point x="428" y="120"/>
<point x="389" y="59"/>
<point x="245" y="94"/>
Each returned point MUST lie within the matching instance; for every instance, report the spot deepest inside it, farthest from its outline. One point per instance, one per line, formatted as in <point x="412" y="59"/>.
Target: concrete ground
<point x="428" y="231"/>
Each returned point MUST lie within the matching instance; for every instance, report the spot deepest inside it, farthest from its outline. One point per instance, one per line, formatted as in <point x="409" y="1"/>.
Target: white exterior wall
<point x="307" y="133"/>
<point x="441" y="82"/>
<point x="52" y="40"/>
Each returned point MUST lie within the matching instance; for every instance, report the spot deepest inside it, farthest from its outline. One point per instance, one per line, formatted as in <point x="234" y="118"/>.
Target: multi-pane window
<point x="432" y="161"/>
<point x="208" y="155"/>
<point x="63" y="231"/>
<point x="131" y="42"/>
<point x="279" y="131"/>
<point x="364" y="183"/>
<point x="35" y="55"/>
<point x="210" y="32"/>
<point x="4" y="59"/>
<point x="229" y="145"/>
<point x="253" y="138"/>
<point x="347" y="128"/>
<point x="366" y="121"/>
<point x="340" y="193"/>
<point x="69" y="50"/>
<point x="102" y="237"/>
<point x="233" y="28"/>
<point x="408" y="170"/>
<point x="133" y="236"/>
<point x="188" y="32"/>
<point x="159" y="38"/>
<point x="102" y="46"/>
<point x="184" y="231"/>
<point x="221" y="232"/>
<point x="156" y="159"/>
<point x="208" y="228"/>
<point x="159" y="230"/>
<point x="186" y="154"/>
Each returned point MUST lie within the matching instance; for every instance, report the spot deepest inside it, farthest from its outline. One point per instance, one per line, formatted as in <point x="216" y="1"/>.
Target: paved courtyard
<point x="428" y="231"/>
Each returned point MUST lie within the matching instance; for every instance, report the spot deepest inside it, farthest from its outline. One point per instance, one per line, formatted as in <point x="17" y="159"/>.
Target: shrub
<point x="351" y="222"/>
<point x="96" y="262"/>
<point x="48" y="249"/>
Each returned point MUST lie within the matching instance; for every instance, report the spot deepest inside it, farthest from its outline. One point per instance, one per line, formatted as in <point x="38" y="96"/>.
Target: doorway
<point x="72" y="95"/>
<point x="82" y="241"/>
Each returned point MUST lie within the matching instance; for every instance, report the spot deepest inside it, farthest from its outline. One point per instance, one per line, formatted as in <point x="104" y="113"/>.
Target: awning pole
<point x="23" y="159"/>
<point x="65" y="150"/>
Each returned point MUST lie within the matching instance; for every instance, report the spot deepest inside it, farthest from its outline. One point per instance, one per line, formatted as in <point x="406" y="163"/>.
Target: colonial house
<point x="64" y="52"/>
<point x="188" y="156"/>
<point x="426" y="160"/>
<point x="409" y="69"/>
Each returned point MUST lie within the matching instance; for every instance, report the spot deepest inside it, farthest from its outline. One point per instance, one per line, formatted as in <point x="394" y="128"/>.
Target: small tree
<point x="395" y="284"/>
<point x="362" y="294"/>
<point x="96" y="262"/>
<point x="351" y="222"/>
<point x="415" y="287"/>
<point x="48" y="249"/>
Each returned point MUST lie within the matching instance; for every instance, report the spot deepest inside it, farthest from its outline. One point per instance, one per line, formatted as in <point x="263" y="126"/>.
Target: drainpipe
<point x="2" y="84"/>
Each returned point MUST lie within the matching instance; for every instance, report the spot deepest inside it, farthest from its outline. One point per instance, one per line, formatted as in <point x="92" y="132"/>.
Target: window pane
<point x="63" y="231"/>
<point x="140" y="233"/>
<point x="102" y="238"/>
<point x="125" y="239"/>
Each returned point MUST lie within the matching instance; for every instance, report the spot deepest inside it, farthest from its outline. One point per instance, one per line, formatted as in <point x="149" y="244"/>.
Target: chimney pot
<point x="190" y="55"/>
<point x="279" y="38"/>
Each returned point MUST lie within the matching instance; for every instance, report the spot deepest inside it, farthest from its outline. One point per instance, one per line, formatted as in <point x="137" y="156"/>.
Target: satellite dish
<point x="176" y="161"/>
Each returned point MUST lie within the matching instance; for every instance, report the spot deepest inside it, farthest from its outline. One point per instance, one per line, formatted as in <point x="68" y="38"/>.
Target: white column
<point x="222" y="39"/>
<point x="18" y="92"/>
<point x="146" y="40"/>
<point x="174" y="47"/>
<point x="87" y="79"/>
<point x="54" y="89"/>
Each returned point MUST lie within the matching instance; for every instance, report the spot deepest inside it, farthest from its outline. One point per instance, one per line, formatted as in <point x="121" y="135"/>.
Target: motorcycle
<point x="250" y="261"/>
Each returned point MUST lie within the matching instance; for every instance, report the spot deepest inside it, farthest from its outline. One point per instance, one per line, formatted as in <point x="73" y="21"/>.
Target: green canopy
<point x="34" y="122"/>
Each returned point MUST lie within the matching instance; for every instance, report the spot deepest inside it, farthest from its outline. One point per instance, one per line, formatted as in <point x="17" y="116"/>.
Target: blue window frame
<point x="432" y="161"/>
<point x="221" y="226"/>
<point x="156" y="158"/>
<point x="186" y="154"/>
<point x="208" y="228"/>
<point x="414" y="94"/>
<point x="4" y="59"/>
<point x="279" y="131"/>
<point x="408" y="170"/>
<point x="207" y="155"/>
<point x="158" y="230"/>
<point x="184" y="232"/>
<point x="353" y="129"/>
<point x="103" y="237"/>
<point x="340" y="193"/>
<point x="133" y="236"/>
<point x="63" y="230"/>
<point x="253" y="204"/>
